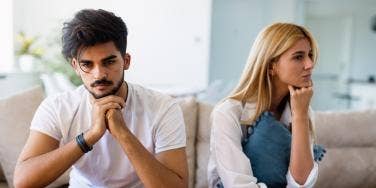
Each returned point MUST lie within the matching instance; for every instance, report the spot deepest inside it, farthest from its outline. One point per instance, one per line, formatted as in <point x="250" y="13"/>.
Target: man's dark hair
<point x="90" y="27"/>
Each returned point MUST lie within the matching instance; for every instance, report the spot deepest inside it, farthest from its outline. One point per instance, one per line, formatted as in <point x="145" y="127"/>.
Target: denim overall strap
<point x="268" y="148"/>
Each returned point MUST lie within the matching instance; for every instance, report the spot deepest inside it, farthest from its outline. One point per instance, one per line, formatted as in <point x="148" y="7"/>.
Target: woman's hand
<point x="300" y="99"/>
<point x="301" y="160"/>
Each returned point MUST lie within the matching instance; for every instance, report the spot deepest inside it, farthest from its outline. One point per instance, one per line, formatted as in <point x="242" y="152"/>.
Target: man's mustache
<point x="101" y="82"/>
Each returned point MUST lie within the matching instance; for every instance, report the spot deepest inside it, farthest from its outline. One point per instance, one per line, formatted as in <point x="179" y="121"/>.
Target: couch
<point x="349" y="138"/>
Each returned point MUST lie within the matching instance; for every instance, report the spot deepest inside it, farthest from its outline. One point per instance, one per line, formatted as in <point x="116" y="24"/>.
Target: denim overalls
<point x="267" y="144"/>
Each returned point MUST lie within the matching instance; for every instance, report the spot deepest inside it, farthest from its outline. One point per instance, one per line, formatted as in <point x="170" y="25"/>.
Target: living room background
<point x="200" y="47"/>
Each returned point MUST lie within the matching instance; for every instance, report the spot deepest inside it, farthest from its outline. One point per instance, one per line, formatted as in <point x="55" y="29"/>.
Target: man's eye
<point x="86" y="65"/>
<point x="110" y="62"/>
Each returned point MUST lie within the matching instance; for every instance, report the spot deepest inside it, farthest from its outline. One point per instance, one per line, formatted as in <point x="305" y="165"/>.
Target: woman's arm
<point x="301" y="160"/>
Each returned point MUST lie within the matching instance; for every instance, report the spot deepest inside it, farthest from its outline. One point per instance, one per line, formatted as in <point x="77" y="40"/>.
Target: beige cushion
<point x="202" y="144"/>
<point x="189" y="108"/>
<point x="16" y="113"/>
<point x="350" y="141"/>
<point x="348" y="167"/>
<point x="346" y="129"/>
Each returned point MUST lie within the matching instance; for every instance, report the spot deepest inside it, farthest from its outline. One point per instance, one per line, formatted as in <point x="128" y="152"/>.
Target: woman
<point x="262" y="133"/>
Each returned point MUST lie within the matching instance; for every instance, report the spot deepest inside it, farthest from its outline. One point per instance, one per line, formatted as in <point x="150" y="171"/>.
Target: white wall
<point x="168" y="40"/>
<point x="6" y="37"/>
<point x="347" y="47"/>
<point x="235" y="25"/>
<point x="362" y="55"/>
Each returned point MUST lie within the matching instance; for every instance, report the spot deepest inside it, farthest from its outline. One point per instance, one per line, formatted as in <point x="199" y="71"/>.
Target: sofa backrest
<point x="202" y="144"/>
<point x="16" y="114"/>
<point x="350" y="141"/>
<point x="189" y="108"/>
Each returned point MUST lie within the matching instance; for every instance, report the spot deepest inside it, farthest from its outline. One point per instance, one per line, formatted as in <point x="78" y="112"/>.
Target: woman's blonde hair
<point x="255" y="84"/>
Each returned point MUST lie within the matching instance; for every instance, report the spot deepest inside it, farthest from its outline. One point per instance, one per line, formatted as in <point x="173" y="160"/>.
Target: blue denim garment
<point x="268" y="147"/>
<point x="267" y="144"/>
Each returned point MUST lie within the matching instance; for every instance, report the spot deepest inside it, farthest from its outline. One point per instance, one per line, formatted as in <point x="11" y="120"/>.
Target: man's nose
<point x="99" y="72"/>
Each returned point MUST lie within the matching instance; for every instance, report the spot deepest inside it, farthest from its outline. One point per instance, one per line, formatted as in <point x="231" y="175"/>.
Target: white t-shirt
<point x="155" y="119"/>
<point x="227" y="159"/>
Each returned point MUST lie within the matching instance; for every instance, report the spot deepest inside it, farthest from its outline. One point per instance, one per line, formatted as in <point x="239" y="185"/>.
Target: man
<point x="112" y="133"/>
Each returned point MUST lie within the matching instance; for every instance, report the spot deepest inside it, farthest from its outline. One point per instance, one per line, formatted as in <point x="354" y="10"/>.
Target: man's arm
<point x="166" y="169"/>
<point x="42" y="161"/>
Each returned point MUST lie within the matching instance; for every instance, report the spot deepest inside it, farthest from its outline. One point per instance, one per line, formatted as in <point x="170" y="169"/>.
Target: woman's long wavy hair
<point x="255" y="84"/>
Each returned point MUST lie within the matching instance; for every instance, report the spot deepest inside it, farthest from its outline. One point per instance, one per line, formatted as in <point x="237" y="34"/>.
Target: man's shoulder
<point x="67" y="98"/>
<point x="147" y="95"/>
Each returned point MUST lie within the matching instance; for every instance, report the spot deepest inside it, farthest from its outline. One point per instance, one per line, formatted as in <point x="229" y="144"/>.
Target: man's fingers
<point x="110" y="105"/>
<point x="111" y="98"/>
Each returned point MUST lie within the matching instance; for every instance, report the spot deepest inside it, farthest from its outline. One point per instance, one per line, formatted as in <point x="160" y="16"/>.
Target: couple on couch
<point x="117" y="134"/>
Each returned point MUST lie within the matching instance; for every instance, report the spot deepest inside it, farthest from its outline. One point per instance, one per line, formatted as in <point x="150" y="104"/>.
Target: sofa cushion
<point x="349" y="138"/>
<point x="16" y="113"/>
<point x="202" y="144"/>
<point x="189" y="108"/>
<point x="346" y="129"/>
<point x="348" y="167"/>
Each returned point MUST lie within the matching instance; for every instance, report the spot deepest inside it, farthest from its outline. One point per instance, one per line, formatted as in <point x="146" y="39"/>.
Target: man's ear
<point x="75" y="66"/>
<point x="127" y="61"/>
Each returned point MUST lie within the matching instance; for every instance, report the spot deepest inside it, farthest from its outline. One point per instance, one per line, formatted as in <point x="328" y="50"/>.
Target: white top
<point x="155" y="119"/>
<point x="227" y="159"/>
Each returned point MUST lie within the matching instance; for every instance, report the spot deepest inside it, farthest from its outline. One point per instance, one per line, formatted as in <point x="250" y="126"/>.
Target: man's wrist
<point x="81" y="142"/>
<point x="90" y="138"/>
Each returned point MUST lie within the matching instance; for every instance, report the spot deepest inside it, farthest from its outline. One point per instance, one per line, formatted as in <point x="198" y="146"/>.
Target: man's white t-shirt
<point x="155" y="119"/>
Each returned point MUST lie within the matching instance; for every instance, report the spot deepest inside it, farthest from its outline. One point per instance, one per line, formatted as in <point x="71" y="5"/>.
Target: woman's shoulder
<point x="225" y="118"/>
<point x="228" y="106"/>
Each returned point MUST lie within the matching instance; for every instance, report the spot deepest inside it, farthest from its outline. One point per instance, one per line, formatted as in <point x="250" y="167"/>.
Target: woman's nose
<point x="308" y="64"/>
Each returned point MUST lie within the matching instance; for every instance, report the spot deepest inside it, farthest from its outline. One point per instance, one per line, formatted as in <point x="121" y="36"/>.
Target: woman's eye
<point x="299" y="57"/>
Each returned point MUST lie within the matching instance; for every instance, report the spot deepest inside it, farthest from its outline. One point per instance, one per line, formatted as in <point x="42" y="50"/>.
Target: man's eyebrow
<point x="109" y="58"/>
<point x="85" y="61"/>
<point x="103" y="60"/>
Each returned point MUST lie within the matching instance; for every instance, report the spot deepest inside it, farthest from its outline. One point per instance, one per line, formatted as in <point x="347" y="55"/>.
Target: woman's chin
<point x="303" y="84"/>
<point x="307" y="84"/>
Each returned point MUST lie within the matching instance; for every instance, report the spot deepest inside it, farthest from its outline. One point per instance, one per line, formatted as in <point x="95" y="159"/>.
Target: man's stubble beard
<point x="112" y="92"/>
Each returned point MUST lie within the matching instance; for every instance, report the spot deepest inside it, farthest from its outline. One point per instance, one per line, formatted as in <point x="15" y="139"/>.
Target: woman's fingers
<point x="292" y="90"/>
